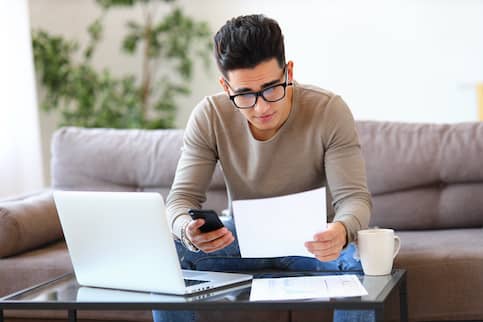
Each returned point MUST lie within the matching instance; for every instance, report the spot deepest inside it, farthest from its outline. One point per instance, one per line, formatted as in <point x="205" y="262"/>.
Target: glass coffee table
<point x="64" y="293"/>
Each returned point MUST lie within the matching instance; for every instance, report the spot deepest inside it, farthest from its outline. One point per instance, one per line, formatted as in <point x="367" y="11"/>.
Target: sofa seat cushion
<point x="445" y="279"/>
<point x="33" y="267"/>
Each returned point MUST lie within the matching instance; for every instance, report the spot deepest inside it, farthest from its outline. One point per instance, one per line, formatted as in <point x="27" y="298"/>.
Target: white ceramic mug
<point x="377" y="249"/>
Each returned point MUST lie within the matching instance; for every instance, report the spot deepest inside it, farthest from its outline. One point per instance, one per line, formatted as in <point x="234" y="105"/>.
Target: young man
<point x="272" y="136"/>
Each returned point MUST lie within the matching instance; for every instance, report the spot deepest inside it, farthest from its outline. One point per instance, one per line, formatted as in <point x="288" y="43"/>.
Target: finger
<point x="327" y="256"/>
<point x="329" y="238"/>
<point x="214" y="234"/>
<point x="210" y="236"/>
<point x="324" y="235"/>
<point x="195" y="224"/>
<point x="313" y="246"/>
<point x="218" y="244"/>
<point x="216" y="241"/>
<point x="192" y="230"/>
<point x="195" y="235"/>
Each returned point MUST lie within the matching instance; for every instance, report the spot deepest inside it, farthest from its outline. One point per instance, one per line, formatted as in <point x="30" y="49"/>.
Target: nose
<point x="261" y="106"/>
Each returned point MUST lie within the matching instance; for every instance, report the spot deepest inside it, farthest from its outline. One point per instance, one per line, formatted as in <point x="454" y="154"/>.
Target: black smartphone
<point x="212" y="221"/>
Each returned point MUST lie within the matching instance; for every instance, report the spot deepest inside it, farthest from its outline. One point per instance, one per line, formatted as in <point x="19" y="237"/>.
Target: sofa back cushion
<point x="424" y="176"/>
<point x="421" y="176"/>
<point x="122" y="160"/>
<point x="28" y="223"/>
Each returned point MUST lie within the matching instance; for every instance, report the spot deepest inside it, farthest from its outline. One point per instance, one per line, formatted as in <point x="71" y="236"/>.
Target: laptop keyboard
<point x="188" y="282"/>
<point x="191" y="275"/>
<point x="193" y="278"/>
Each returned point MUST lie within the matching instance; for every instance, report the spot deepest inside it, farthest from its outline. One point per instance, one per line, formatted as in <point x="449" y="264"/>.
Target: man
<point x="272" y="136"/>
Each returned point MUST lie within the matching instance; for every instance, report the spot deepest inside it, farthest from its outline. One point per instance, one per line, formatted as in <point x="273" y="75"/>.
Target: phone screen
<point x="212" y="221"/>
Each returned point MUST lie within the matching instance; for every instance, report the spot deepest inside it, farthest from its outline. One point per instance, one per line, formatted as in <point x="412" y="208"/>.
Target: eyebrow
<point x="246" y="89"/>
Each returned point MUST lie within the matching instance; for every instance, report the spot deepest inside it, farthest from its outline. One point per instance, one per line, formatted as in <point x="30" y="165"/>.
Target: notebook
<point x="122" y="240"/>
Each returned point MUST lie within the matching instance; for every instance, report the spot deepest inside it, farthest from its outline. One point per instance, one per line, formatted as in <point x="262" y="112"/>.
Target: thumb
<point x="320" y="236"/>
<point x="195" y="224"/>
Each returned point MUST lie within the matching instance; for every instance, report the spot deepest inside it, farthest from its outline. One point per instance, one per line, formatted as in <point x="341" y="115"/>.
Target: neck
<point x="262" y="135"/>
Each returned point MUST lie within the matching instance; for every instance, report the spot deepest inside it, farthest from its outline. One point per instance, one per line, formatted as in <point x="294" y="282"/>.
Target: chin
<point x="265" y="127"/>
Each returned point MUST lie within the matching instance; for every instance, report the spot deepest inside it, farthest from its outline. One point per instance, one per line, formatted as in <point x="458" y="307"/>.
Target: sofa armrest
<point x="28" y="224"/>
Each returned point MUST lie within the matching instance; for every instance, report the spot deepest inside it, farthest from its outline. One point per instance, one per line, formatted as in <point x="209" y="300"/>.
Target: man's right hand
<point x="211" y="241"/>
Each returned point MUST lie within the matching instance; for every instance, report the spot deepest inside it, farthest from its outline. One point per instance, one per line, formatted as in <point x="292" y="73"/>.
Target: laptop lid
<point x="122" y="240"/>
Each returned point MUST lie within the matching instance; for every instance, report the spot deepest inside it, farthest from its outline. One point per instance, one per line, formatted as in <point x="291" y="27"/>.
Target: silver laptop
<point x="96" y="294"/>
<point x="122" y="240"/>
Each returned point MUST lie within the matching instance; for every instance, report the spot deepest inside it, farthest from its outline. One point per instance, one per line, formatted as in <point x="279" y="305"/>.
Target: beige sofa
<point x="426" y="181"/>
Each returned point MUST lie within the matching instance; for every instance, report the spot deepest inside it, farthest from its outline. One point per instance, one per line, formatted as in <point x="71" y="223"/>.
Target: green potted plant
<point x="88" y="97"/>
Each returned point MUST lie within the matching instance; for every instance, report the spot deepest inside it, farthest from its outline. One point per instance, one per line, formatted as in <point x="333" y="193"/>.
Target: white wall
<point x="408" y="60"/>
<point x="404" y="60"/>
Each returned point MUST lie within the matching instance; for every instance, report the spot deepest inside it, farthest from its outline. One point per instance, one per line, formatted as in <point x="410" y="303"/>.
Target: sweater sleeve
<point x="195" y="168"/>
<point x="345" y="170"/>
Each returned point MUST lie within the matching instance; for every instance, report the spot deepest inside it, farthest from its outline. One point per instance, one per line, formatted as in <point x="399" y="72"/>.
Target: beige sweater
<point x="317" y="146"/>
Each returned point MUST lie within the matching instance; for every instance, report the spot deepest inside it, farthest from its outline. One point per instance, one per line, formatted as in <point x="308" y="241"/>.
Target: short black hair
<point x="246" y="41"/>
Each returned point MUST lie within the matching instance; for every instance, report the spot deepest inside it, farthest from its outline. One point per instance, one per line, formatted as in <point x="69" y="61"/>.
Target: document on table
<point x="306" y="287"/>
<point x="279" y="226"/>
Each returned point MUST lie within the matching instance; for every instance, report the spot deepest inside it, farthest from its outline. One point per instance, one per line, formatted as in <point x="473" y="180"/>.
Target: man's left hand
<point x="328" y="244"/>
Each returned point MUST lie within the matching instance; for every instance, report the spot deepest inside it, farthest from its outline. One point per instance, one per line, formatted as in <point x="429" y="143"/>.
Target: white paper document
<point x="306" y="287"/>
<point x="279" y="226"/>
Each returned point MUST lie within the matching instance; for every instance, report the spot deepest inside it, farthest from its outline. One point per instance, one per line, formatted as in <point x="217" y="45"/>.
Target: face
<point x="265" y="118"/>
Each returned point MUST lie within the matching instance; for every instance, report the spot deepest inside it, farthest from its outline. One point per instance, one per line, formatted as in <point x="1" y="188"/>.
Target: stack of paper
<point x="306" y="287"/>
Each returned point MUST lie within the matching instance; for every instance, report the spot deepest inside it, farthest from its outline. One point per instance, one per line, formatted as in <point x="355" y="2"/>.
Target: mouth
<point x="265" y="118"/>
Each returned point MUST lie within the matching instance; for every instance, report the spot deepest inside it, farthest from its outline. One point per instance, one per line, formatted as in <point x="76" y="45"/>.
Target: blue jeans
<point x="229" y="260"/>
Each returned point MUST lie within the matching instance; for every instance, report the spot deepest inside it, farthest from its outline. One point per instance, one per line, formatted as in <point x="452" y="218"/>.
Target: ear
<point x="290" y="70"/>
<point x="221" y="81"/>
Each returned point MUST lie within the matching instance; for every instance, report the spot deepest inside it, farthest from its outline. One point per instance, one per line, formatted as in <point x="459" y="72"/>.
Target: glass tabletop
<point x="65" y="293"/>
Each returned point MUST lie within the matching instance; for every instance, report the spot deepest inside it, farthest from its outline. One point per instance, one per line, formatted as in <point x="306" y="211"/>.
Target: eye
<point x="269" y="91"/>
<point x="245" y="100"/>
<point x="274" y="93"/>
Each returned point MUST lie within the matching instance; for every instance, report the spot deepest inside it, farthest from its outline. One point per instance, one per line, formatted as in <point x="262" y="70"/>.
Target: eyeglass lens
<point x="271" y="94"/>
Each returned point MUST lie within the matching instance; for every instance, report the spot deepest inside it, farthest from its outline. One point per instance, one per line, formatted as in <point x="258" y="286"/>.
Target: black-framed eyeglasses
<point x="271" y="94"/>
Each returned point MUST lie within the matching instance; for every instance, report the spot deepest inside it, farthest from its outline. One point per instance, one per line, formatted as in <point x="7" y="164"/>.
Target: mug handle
<point x="397" y="246"/>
